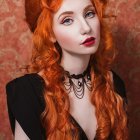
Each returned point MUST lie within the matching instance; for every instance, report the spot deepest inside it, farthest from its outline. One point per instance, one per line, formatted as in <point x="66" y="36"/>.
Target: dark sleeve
<point x="23" y="107"/>
<point x="119" y="86"/>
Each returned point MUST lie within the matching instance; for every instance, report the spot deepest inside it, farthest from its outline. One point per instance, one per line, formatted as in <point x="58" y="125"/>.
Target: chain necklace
<point x="81" y="80"/>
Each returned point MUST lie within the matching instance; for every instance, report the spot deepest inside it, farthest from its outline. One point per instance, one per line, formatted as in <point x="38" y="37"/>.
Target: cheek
<point x="97" y="27"/>
<point x="98" y="31"/>
<point x="63" y="37"/>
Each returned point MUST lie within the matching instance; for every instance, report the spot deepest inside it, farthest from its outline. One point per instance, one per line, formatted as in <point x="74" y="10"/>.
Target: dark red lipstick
<point x="89" y="41"/>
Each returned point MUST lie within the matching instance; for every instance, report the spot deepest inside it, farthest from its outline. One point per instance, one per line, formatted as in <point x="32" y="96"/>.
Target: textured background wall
<point x="15" y="48"/>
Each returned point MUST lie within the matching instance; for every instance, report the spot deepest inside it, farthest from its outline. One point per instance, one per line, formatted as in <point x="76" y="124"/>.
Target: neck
<point x="74" y="63"/>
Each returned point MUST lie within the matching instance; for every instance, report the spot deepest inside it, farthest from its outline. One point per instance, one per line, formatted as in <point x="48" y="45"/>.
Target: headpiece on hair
<point x="32" y="12"/>
<point x="33" y="9"/>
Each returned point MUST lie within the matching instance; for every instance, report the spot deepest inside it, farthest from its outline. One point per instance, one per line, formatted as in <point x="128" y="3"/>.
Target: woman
<point x="71" y="92"/>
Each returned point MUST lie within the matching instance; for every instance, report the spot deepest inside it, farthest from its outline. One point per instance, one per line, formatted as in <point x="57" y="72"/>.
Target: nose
<point x="84" y="27"/>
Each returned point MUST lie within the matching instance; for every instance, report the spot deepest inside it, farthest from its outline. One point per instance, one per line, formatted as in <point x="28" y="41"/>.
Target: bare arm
<point x="19" y="133"/>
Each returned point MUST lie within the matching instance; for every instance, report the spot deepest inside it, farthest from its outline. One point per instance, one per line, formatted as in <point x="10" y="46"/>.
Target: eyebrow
<point x="71" y="12"/>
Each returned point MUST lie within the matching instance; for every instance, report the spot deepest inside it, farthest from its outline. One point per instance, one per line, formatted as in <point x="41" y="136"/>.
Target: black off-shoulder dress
<point x="25" y="103"/>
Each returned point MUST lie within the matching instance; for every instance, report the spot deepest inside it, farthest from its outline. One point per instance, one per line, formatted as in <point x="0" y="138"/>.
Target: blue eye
<point x="67" y="21"/>
<point x="90" y="14"/>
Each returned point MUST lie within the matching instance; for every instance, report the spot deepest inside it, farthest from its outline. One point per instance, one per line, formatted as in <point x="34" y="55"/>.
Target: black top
<point x="25" y="103"/>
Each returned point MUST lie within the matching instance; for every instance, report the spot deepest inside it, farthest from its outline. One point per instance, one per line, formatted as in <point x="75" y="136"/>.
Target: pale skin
<point x="19" y="132"/>
<point x="70" y="30"/>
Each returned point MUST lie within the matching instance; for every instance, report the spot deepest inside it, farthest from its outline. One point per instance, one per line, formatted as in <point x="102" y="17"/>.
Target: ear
<point x="53" y="39"/>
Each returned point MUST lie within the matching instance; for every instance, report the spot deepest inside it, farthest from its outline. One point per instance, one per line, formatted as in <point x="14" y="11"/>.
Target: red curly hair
<point x="46" y="56"/>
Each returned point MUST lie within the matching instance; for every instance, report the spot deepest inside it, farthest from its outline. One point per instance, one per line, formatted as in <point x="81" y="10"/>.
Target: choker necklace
<point x="77" y="83"/>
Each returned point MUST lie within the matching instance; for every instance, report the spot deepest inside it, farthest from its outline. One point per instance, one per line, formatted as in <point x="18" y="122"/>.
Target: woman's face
<point x="76" y="27"/>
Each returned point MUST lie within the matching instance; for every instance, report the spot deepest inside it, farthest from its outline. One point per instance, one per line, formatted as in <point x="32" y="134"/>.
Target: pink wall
<point x="15" y="48"/>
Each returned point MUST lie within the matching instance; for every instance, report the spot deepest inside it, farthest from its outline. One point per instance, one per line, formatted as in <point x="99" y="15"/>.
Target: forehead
<point x="72" y="5"/>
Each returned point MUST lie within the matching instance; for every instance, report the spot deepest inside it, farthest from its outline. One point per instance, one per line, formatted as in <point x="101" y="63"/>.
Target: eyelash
<point x="90" y="12"/>
<point x="67" y="19"/>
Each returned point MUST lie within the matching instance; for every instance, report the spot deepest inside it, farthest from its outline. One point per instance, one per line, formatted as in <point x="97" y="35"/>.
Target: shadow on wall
<point x="127" y="39"/>
<point x="128" y="67"/>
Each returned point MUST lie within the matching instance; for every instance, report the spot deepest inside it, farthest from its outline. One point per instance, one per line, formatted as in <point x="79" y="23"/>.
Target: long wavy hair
<point x="46" y="57"/>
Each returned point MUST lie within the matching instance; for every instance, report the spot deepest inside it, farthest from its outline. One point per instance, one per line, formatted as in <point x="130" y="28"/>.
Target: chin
<point x="91" y="50"/>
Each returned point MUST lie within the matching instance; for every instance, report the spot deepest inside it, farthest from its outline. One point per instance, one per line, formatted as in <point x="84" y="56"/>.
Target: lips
<point x="89" y="41"/>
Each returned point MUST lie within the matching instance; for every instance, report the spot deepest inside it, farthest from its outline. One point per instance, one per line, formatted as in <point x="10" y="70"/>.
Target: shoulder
<point x="25" y="83"/>
<point x="25" y="103"/>
<point x="23" y="79"/>
<point x="28" y="88"/>
<point x="119" y="85"/>
<point x="16" y="88"/>
<point x="17" y="82"/>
